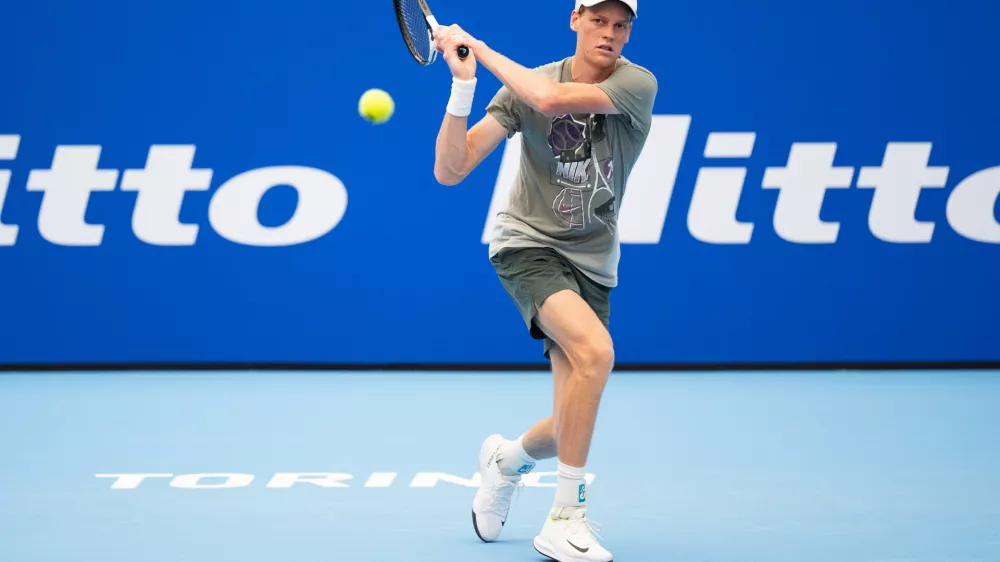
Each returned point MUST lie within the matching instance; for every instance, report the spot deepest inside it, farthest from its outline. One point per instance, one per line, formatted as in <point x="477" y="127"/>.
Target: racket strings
<point x="415" y="28"/>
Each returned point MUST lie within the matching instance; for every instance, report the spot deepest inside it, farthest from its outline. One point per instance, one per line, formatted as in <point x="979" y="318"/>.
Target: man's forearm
<point x="452" y="150"/>
<point x="536" y="90"/>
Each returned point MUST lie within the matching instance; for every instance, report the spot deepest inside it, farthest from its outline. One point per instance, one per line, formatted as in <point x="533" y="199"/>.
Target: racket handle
<point x="463" y="52"/>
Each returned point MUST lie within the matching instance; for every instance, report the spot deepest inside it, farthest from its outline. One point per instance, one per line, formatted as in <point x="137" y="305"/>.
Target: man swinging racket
<point x="584" y="121"/>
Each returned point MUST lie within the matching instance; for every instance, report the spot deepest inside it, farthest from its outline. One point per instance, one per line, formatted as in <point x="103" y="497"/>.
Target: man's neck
<point x="585" y="73"/>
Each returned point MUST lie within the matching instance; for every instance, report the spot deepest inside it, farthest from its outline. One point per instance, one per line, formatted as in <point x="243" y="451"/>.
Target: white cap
<point x="633" y="4"/>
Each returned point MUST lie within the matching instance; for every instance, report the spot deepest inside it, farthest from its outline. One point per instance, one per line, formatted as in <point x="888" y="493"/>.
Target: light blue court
<point x="329" y="467"/>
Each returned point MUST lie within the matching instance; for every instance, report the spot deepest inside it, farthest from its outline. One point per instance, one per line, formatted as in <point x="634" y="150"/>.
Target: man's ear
<point x="574" y="21"/>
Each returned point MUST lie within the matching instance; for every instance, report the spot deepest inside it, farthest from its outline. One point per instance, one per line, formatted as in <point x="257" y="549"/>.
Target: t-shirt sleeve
<point x="506" y="109"/>
<point x="633" y="90"/>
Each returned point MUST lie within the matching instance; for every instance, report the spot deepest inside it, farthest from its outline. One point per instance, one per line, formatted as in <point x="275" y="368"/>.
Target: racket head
<point x="417" y="33"/>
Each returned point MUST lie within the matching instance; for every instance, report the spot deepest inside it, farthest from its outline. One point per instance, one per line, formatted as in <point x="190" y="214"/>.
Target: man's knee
<point x="595" y="358"/>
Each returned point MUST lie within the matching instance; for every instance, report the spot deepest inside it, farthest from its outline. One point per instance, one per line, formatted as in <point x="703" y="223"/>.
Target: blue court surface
<point x="326" y="467"/>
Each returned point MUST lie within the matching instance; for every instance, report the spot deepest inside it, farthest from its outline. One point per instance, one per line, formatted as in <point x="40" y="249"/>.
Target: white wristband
<point x="462" y="92"/>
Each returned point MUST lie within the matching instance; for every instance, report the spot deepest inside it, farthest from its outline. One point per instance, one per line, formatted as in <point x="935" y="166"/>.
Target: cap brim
<point x="592" y="3"/>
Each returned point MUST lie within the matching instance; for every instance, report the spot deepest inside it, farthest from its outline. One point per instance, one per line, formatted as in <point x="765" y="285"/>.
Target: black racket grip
<point x="463" y="52"/>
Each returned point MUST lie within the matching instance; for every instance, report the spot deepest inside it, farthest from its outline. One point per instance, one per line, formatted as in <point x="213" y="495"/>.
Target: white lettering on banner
<point x="161" y="186"/>
<point x="131" y="481"/>
<point x="711" y="217"/>
<point x="321" y="479"/>
<point x="897" y="184"/>
<point x="67" y="187"/>
<point x="971" y="206"/>
<point x="717" y="192"/>
<point x="802" y="184"/>
<point x="8" y="151"/>
<point x="193" y="481"/>
<point x="509" y="163"/>
<point x="287" y="480"/>
<point x="322" y="203"/>
<point x="651" y="184"/>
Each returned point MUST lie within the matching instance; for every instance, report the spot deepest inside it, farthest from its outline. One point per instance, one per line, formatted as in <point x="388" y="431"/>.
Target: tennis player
<point x="584" y="121"/>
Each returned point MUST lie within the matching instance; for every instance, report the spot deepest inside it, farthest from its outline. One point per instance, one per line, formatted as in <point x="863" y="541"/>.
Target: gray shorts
<point x="531" y="275"/>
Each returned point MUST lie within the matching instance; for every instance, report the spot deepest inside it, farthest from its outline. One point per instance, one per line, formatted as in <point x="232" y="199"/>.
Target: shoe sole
<point x="475" y="525"/>
<point x="544" y="550"/>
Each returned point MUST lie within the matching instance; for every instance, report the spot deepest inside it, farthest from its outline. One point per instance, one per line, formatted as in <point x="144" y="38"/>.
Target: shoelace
<point x="589" y="530"/>
<point x="504" y="493"/>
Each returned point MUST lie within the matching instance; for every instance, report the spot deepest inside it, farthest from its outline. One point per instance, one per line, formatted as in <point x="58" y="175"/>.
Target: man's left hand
<point x="451" y="37"/>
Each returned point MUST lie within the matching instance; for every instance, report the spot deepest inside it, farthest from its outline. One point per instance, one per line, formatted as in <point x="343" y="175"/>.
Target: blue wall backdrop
<point x="257" y="95"/>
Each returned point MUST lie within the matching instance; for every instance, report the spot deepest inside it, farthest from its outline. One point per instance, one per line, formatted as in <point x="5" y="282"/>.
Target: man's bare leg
<point x="540" y="441"/>
<point x="514" y="458"/>
<point x="582" y="358"/>
<point x="572" y="324"/>
<point x="587" y="346"/>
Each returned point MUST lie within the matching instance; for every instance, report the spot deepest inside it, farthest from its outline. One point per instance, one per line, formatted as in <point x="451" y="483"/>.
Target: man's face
<point x="602" y="31"/>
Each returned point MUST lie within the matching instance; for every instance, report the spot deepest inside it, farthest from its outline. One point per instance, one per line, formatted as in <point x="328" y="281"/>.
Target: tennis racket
<point x="418" y="26"/>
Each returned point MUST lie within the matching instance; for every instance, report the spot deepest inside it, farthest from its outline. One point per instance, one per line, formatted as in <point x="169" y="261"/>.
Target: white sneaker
<point x="492" y="501"/>
<point x="568" y="537"/>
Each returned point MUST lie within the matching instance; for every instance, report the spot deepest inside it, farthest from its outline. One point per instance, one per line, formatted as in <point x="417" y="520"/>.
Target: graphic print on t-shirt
<point x="574" y="140"/>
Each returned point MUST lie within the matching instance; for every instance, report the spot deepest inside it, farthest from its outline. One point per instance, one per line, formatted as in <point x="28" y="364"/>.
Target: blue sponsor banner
<point x="191" y="182"/>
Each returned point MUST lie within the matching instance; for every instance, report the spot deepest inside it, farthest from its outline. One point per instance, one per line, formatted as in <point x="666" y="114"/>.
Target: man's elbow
<point x="549" y="102"/>
<point x="548" y="107"/>
<point x="447" y="177"/>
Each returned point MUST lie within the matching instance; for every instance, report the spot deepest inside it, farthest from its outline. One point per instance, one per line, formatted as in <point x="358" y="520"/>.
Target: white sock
<point x="514" y="460"/>
<point x="571" y="486"/>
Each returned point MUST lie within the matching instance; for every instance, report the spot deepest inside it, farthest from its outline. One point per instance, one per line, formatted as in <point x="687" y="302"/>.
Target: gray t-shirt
<point x="558" y="201"/>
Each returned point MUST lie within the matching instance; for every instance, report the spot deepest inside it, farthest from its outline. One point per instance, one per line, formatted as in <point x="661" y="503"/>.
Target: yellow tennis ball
<point x="376" y="106"/>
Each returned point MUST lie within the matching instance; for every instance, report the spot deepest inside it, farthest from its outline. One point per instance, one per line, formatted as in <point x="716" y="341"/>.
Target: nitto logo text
<point x="802" y="182"/>
<point x="160" y="187"/>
